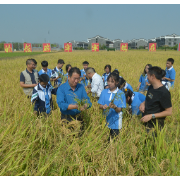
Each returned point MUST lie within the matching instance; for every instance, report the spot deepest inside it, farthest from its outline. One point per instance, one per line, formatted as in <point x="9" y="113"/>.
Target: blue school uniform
<point x="66" y="75"/>
<point x="65" y="96"/>
<point x="137" y="99"/>
<point x="49" y="71"/>
<point x="143" y="79"/>
<point x="42" y="98"/>
<point x="114" y="119"/>
<point x="105" y="76"/>
<point x="84" y="82"/>
<point x="55" y="73"/>
<point x="127" y="86"/>
<point x="170" y="73"/>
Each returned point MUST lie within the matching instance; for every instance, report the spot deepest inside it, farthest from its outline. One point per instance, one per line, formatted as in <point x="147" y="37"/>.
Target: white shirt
<point x="97" y="85"/>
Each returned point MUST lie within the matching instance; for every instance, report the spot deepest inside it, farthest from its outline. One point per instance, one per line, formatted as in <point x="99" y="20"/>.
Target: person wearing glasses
<point x="29" y="78"/>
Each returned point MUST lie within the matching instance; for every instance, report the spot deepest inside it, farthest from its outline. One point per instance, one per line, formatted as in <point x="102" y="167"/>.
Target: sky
<point x="60" y="23"/>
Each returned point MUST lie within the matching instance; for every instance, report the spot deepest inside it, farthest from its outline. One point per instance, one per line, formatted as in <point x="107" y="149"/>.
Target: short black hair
<point x="171" y="60"/>
<point x="28" y="61"/>
<point x="74" y="70"/>
<point x="157" y="71"/>
<point x="67" y="67"/>
<point x="44" y="63"/>
<point x="109" y="66"/>
<point x="44" y="78"/>
<point x="116" y="71"/>
<point x="61" y="61"/>
<point x="85" y="62"/>
<point x="35" y="62"/>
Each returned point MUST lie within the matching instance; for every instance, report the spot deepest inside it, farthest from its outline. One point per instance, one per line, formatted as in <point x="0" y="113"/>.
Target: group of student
<point x="111" y="91"/>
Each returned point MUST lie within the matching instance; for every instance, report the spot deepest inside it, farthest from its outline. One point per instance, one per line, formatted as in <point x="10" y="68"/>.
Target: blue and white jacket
<point x="55" y="73"/>
<point x="38" y="97"/>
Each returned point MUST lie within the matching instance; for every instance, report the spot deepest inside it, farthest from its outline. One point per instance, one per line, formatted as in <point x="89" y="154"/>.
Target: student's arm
<point x="117" y="109"/>
<point x="168" y="79"/>
<point x="101" y="102"/>
<point x="138" y="86"/>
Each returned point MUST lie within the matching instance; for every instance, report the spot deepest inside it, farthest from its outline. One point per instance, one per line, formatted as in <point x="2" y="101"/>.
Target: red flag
<point x="46" y="47"/>
<point x="179" y="47"/>
<point x="95" y="47"/>
<point x="27" y="47"/>
<point x="124" y="47"/>
<point x="152" y="47"/>
<point x="67" y="47"/>
<point x="8" y="47"/>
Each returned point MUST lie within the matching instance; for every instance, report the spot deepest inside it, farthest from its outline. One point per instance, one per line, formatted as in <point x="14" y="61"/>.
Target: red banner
<point x="152" y="47"/>
<point x="179" y="47"/>
<point x="8" y="47"/>
<point x="46" y="47"/>
<point x="95" y="47"/>
<point x="27" y="47"/>
<point x="67" y="47"/>
<point x="124" y="47"/>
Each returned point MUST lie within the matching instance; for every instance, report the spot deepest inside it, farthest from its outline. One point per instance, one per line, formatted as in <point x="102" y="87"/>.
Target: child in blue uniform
<point x="41" y="96"/>
<point x="169" y="78"/>
<point x="143" y="81"/>
<point x="45" y="69"/>
<point x="83" y="79"/>
<point x="114" y="99"/>
<point x="107" y="70"/>
<point x="134" y="99"/>
<point x="122" y="85"/>
<point x="68" y="67"/>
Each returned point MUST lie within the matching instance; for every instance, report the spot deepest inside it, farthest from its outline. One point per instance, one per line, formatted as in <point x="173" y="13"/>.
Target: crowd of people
<point x="152" y="99"/>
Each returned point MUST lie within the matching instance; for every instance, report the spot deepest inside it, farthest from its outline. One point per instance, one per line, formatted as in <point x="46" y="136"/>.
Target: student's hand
<point x="142" y="107"/>
<point x="111" y="105"/>
<point x="105" y="106"/>
<point x="164" y="78"/>
<point x="83" y="107"/>
<point x="146" y="118"/>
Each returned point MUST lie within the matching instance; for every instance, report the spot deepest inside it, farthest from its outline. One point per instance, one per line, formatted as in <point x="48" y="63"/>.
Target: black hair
<point x="171" y="60"/>
<point x="67" y="67"/>
<point x="128" y="93"/>
<point x="121" y="82"/>
<point x="144" y="72"/>
<point x="35" y="62"/>
<point x="61" y="61"/>
<point x="85" y="62"/>
<point x="109" y="66"/>
<point x="74" y="70"/>
<point x="28" y="61"/>
<point x="44" y="63"/>
<point x="116" y="71"/>
<point x="115" y="77"/>
<point x="44" y="78"/>
<point x="157" y="71"/>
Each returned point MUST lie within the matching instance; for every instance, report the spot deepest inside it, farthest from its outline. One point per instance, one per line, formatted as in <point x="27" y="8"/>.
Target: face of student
<point x="147" y="69"/>
<point x="107" y="70"/>
<point x="111" y="83"/>
<point x="31" y="66"/>
<point x="59" y="66"/>
<point x="168" y="64"/>
<point x="45" y="68"/>
<point x="85" y="66"/>
<point x="44" y="84"/>
<point x="69" y="68"/>
<point x="74" y="79"/>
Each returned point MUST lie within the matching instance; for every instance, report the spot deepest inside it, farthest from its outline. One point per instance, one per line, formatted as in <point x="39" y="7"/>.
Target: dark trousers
<point x="114" y="133"/>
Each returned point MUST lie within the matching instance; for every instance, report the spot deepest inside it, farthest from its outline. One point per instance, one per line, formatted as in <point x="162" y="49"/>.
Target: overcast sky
<point x="31" y="23"/>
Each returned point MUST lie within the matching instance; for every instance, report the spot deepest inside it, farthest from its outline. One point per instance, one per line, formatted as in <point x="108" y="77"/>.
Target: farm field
<point x="46" y="146"/>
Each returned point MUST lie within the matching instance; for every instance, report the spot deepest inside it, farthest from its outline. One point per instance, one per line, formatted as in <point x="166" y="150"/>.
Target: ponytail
<point x="128" y="93"/>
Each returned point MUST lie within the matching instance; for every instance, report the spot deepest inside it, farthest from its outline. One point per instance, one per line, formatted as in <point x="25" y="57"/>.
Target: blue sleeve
<point x="22" y="78"/>
<point x="101" y="99"/>
<point x="140" y="79"/>
<point x="142" y="97"/>
<point x="121" y="102"/>
<point x="40" y="72"/>
<point x="85" y="96"/>
<point x="60" y="98"/>
<point x="173" y="74"/>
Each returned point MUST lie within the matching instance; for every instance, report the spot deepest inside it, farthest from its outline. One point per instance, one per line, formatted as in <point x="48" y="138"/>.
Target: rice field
<point x="36" y="146"/>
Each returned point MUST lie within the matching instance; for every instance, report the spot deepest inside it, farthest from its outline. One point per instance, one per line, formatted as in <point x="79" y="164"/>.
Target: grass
<point x="46" y="146"/>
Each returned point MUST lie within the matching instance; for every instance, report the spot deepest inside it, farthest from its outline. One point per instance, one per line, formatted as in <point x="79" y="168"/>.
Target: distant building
<point x="136" y="43"/>
<point x="117" y="43"/>
<point x="79" y="44"/>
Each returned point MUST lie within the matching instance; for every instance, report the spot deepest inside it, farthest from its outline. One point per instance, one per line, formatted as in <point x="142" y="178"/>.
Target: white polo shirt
<point x="97" y="85"/>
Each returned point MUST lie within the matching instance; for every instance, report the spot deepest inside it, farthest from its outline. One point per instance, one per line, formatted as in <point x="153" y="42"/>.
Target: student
<point x="157" y="104"/>
<point x="143" y="81"/>
<point x="45" y="69"/>
<point x="83" y="79"/>
<point x="134" y="99"/>
<point x="68" y="67"/>
<point x="169" y="78"/>
<point x="117" y="72"/>
<point x="57" y="73"/>
<point x="29" y="78"/>
<point x="96" y="86"/>
<point x="41" y="97"/>
<point x="67" y="93"/>
<point x="122" y="85"/>
<point x="107" y="70"/>
<point x="115" y="100"/>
